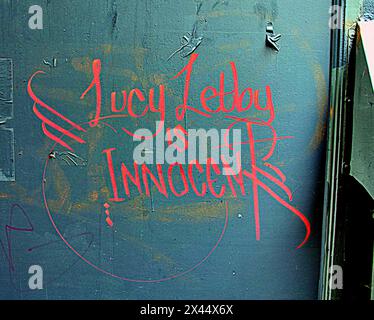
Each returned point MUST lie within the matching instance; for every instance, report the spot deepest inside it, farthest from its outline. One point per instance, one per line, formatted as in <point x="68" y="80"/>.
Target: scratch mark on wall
<point x="219" y="2"/>
<point x="52" y="64"/>
<point x="114" y="17"/>
<point x="68" y="157"/>
<point x="190" y="41"/>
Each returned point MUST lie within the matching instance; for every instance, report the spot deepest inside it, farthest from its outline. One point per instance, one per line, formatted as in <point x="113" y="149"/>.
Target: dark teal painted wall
<point x="156" y="237"/>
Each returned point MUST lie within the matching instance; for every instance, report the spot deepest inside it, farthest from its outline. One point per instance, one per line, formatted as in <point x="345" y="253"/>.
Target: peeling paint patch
<point x="7" y="162"/>
<point x="7" y="158"/>
<point x="6" y="89"/>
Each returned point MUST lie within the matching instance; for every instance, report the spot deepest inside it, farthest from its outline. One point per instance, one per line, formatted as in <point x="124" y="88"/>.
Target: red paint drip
<point x="108" y="220"/>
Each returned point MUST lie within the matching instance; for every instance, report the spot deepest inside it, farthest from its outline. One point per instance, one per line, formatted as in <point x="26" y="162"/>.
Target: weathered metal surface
<point x="177" y="247"/>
